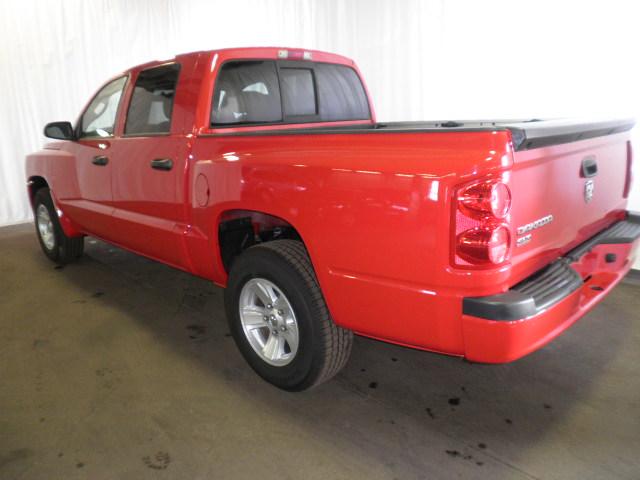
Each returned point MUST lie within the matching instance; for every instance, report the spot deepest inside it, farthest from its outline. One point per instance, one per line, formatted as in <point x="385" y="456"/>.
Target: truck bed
<point x="546" y="177"/>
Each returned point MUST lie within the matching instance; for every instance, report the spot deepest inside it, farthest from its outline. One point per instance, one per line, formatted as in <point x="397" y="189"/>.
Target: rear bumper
<point x="504" y="327"/>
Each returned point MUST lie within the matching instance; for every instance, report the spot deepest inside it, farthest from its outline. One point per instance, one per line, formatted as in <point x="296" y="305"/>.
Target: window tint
<point x="152" y="100"/>
<point x="298" y="91"/>
<point x="246" y="92"/>
<point x="100" y="116"/>
<point x="340" y="93"/>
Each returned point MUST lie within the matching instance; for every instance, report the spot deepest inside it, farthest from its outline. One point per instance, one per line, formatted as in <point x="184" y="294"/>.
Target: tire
<point x="323" y="348"/>
<point x="55" y="244"/>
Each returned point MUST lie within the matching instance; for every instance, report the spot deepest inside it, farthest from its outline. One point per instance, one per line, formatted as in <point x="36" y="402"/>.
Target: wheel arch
<point x="35" y="183"/>
<point x="238" y="229"/>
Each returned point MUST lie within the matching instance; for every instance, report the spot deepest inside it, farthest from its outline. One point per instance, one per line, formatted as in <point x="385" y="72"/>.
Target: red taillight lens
<point x="488" y="198"/>
<point x="484" y="244"/>
<point x="482" y="217"/>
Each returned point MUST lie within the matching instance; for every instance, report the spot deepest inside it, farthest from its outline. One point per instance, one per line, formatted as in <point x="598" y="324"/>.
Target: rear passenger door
<point x="149" y="167"/>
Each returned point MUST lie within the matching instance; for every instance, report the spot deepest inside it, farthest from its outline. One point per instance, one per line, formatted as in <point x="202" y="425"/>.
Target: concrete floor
<point x="121" y="368"/>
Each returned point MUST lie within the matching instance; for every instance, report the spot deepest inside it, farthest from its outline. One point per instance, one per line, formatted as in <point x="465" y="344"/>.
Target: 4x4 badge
<point x="588" y="191"/>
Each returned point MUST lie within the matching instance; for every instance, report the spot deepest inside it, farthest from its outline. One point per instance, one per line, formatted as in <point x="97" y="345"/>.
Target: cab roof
<point x="269" y="53"/>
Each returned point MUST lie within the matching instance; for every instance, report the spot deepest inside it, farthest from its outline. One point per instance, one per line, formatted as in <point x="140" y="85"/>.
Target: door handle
<point x="589" y="167"/>
<point x="100" y="160"/>
<point x="162" y="164"/>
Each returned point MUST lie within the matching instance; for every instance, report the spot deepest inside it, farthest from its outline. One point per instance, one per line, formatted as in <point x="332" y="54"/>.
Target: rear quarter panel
<point x="374" y="213"/>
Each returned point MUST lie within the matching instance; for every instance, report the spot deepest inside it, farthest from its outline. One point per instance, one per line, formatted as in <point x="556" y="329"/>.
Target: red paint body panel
<point x="555" y="173"/>
<point x="375" y="209"/>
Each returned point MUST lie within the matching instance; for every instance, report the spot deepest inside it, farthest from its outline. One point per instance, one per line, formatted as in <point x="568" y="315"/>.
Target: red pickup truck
<point x="265" y="171"/>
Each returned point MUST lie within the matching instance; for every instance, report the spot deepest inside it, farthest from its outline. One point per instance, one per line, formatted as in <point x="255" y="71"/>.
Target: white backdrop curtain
<point x="431" y="59"/>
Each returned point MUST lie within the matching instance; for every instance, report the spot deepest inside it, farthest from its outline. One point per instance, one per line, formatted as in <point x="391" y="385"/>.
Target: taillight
<point x="490" y="198"/>
<point x="484" y="244"/>
<point x="629" y="179"/>
<point x="482" y="235"/>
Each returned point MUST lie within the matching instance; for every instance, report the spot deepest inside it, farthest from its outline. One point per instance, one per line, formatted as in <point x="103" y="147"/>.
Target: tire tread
<point x="336" y="341"/>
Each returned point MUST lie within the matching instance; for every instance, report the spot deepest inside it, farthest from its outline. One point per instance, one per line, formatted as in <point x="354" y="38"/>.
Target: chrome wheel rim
<point x="45" y="227"/>
<point x="269" y="322"/>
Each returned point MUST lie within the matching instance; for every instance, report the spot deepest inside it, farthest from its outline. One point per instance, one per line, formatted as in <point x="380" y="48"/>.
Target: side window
<point x="152" y="101"/>
<point x="99" y="118"/>
<point x="340" y="93"/>
<point x="246" y="92"/>
<point x="298" y="91"/>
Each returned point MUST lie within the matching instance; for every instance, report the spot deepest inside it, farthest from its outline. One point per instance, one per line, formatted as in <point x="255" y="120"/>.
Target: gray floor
<point x="119" y="367"/>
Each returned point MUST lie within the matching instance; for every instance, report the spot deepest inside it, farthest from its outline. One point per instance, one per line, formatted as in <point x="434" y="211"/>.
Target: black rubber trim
<point x="538" y="292"/>
<point x="550" y="285"/>
<point x="625" y="231"/>
<point x="526" y="134"/>
<point x="362" y="128"/>
<point x="511" y="305"/>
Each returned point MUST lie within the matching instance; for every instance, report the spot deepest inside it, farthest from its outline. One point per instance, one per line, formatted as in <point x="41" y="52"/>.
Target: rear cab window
<point x="246" y="92"/>
<point x="269" y="92"/>
<point x="298" y="91"/>
<point x="340" y="93"/>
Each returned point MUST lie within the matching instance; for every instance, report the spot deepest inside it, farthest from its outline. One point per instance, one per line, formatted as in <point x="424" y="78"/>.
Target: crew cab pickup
<point x="265" y="171"/>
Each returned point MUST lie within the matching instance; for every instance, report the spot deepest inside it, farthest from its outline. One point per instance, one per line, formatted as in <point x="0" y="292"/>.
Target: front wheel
<point x="55" y="244"/>
<point x="279" y="320"/>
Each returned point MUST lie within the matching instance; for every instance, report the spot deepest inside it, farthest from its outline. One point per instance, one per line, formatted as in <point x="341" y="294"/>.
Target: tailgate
<point x="564" y="194"/>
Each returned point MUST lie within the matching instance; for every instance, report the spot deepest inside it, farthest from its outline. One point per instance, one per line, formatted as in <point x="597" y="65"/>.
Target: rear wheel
<point x="279" y="319"/>
<point x="55" y="244"/>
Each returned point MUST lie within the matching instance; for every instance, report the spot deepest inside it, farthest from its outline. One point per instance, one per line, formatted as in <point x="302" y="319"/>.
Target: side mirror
<point x="59" y="131"/>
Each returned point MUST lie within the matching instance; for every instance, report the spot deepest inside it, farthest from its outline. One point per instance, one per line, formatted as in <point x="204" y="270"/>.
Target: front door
<point x="90" y="202"/>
